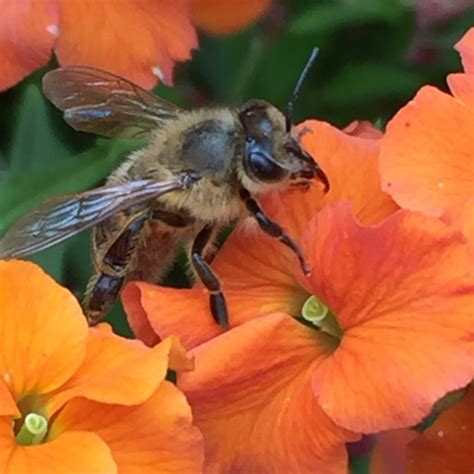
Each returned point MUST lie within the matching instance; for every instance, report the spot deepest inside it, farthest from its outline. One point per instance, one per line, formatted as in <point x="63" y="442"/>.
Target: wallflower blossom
<point x="445" y="447"/>
<point x="427" y="158"/>
<point x="137" y="39"/>
<point x="395" y="298"/>
<point x="74" y="399"/>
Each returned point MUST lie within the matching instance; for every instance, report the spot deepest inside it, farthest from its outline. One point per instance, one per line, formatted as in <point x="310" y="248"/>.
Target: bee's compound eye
<point x="261" y="166"/>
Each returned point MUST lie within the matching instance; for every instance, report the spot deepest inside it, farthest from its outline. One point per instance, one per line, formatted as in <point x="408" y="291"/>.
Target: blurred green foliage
<point x="372" y="60"/>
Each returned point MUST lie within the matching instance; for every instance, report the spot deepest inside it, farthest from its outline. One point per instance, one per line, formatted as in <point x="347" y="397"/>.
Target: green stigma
<point x="317" y="313"/>
<point x="33" y="430"/>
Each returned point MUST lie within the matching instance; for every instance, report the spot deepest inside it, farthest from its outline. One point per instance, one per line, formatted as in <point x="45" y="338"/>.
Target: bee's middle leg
<point x="208" y="277"/>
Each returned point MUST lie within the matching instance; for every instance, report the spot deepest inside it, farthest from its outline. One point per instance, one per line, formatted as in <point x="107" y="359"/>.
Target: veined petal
<point x="446" y="446"/>
<point x="42" y="330"/>
<point x="8" y="405"/>
<point x="117" y="370"/>
<point x="136" y="39"/>
<point x="252" y="399"/>
<point x="73" y="452"/>
<point x="137" y="317"/>
<point x="462" y="87"/>
<point x="29" y="29"/>
<point x="403" y="294"/>
<point x="220" y="18"/>
<point x="465" y="46"/>
<point x="155" y="436"/>
<point x="423" y="166"/>
<point x="169" y="311"/>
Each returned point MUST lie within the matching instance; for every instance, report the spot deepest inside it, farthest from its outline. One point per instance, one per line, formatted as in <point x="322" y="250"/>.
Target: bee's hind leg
<point x="208" y="277"/>
<point x="105" y="286"/>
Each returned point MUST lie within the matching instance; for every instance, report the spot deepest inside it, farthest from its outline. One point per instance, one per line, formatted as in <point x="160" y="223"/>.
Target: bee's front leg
<point x="208" y="277"/>
<point x="272" y="228"/>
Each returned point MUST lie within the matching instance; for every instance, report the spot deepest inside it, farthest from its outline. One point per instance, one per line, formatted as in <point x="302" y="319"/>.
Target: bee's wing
<point x="99" y="102"/>
<point x="62" y="217"/>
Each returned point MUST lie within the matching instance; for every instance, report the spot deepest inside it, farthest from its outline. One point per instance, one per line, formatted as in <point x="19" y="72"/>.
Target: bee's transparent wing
<point x="99" y="102"/>
<point x="62" y="217"/>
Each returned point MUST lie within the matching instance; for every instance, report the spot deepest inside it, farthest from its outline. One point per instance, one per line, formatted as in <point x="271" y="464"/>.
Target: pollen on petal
<point x="53" y="29"/>
<point x="158" y="72"/>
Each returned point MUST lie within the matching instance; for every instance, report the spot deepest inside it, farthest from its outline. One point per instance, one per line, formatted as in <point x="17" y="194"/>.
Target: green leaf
<point x="370" y="81"/>
<point x="41" y="139"/>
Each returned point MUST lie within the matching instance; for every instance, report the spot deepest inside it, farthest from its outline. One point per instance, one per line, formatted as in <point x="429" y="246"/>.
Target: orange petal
<point x="465" y="46"/>
<point x="7" y="402"/>
<point x="42" y="330"/>
<point x="249" y="264"/>
<point x="136" y="315"/>
<point x="403" y="294"/>
<point x="363" y="129"/>
<point x="29" y="29"/>
<point x="446" y="446"/>
<point x="73" y="452"/>
<point x="220" y="18"/>
<point x="389" y="456"/>
<point x="427" y="160"/>
<point x="252" y="400"/>
<point x="136" y="39"/>
<point x="156" y="436"/>
<point x="117" y="370"/>
<point x="462" y="87"/>
<point x="352" y="166"/>
<point x="170" y="311"/>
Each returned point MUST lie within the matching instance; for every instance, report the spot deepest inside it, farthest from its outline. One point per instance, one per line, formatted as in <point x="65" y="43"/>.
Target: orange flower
<point x="445" y="447"/>
<point x="80" y="400"/>
<point x="427" y="158"/>
<point x="257" y="266"/>
<point x="137" y="39"/>
<point x="395" y="301"/>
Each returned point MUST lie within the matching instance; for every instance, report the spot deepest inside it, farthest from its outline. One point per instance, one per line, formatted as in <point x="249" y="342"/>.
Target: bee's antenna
<point x="296" y="92"/>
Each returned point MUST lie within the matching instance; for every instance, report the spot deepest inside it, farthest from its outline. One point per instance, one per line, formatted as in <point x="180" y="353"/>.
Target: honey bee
<point x="200" y="170"/>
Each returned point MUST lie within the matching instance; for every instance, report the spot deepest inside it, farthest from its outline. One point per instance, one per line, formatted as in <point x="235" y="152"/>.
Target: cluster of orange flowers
<point x="381" y="330"/>
<point x="137" y="39"/>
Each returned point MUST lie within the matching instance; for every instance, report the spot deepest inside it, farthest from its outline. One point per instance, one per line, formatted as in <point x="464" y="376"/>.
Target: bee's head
<point x="272" y="154"/>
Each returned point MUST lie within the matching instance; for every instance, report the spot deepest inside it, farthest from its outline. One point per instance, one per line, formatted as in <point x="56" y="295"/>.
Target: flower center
<point x="317" y="313"/>
<point x="33" y="430"/>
